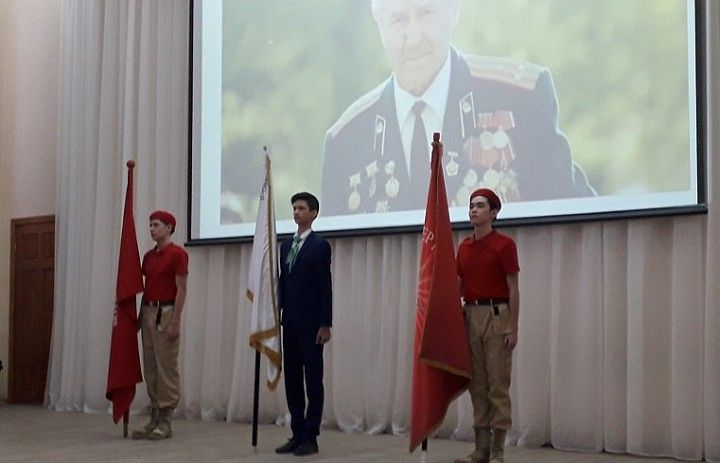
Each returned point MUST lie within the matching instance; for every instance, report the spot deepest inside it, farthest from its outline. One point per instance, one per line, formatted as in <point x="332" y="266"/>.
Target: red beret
<point x="165" y="217"/>
<point x="492" y="198"/>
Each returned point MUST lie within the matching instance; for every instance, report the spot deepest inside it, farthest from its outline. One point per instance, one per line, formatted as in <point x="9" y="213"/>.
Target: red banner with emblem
<point x="442" y="364"/>
<point x="124" y="366"/>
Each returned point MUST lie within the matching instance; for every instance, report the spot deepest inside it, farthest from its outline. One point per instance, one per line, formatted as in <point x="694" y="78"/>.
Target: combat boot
<point x="497" y="446"/>
<point x="163" y="429"/>
<point x="482" y="447"/>
<point x="145" y="431"/>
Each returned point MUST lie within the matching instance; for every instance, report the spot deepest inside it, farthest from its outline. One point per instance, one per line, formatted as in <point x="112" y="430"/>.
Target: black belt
<point x="158" y="303"/>
<point x="497" y="301"/>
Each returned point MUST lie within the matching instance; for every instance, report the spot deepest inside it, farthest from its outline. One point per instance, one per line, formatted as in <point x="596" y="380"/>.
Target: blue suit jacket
<point x="306" y="292"/>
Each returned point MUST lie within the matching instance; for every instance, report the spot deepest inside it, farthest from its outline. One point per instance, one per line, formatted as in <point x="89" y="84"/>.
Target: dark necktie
<point x="294" y="250"/>
<point x="419" y="159"/>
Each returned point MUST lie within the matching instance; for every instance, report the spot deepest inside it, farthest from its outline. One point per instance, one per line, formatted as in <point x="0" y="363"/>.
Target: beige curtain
<point x="619" y="325"/>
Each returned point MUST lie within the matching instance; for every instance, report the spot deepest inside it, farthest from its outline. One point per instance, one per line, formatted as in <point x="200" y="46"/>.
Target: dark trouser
<point x="303" y="368"/>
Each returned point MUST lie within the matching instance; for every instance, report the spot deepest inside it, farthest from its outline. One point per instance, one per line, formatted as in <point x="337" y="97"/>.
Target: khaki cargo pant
<point x="492" y="364"/>
<point x="160" y="358"/>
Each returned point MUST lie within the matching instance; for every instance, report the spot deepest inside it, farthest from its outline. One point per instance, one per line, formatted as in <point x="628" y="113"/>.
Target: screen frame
<point x="701" y="122"/>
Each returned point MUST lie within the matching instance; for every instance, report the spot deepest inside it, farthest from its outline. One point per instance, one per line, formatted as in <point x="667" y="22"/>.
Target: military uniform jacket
<point x="499" y="131"/>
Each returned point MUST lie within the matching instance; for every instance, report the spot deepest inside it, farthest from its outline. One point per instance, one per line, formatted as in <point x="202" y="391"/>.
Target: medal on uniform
<point x="470" y="179"/>
<point x="500" y="139"/>
<point x="371" y="170"/>
<point x="379" y="142"/>
<point x="469" y="184"/>
<point x="381" y="206"/>
<point x="354" y="199"/>
<point x="492" y="179"/>
<point x="500" y="142"/>
<point x="504" y="120"/>
<point x="487" y="140"/>
<point x="509" y="187"/>
<point x="392" y="186"/>
<point x="452" y="167"/>
<point x="466" y="108"/>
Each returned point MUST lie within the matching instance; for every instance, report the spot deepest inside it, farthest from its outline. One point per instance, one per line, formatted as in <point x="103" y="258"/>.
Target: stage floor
<point x="30" y="433"/>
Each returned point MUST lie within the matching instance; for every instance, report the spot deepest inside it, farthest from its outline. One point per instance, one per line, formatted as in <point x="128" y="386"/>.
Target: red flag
<point x="124" y="367"/>
<point x="442" y="366"/>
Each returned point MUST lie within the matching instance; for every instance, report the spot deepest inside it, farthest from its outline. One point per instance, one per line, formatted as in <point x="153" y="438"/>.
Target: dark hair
<point x="309" y="198"/>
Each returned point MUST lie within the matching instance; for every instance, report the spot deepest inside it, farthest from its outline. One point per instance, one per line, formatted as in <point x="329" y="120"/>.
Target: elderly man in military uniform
<point x="498" y="119"/>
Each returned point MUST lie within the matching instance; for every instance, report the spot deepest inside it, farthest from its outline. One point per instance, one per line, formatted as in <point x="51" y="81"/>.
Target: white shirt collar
<point x="435" y="97"/>
<point x="303" y="235"/>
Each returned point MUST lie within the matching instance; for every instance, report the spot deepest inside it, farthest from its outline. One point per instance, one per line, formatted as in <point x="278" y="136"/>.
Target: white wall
<point x="29" y="38"/>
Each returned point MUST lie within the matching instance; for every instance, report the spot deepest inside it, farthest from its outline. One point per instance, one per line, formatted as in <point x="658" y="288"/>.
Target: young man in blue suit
<point x="306" y="310"/>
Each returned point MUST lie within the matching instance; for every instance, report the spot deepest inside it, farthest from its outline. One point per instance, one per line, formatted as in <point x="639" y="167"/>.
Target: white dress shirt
<point x="435" y="99"/>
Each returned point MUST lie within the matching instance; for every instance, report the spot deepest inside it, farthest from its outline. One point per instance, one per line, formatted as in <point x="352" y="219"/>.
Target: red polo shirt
<point x="483" y="266"/>
<point x="160" y="266"/>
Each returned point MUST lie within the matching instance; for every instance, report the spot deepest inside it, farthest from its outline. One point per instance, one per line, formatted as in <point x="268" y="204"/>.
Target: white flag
<point x="263" y="283"/>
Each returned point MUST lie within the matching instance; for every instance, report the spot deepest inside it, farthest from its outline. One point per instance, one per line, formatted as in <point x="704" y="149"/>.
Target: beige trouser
<point x="160" y="358"/>
<point x="492" y="365"/>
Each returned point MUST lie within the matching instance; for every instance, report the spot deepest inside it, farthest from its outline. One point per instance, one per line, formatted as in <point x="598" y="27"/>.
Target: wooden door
<point x="32" y="263"/>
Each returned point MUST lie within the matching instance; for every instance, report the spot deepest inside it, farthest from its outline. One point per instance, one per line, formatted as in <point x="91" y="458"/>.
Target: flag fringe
<point x="445" y="367"/>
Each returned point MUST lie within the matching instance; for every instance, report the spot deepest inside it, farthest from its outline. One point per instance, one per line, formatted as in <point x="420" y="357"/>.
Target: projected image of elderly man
<point x="497" y="116"/>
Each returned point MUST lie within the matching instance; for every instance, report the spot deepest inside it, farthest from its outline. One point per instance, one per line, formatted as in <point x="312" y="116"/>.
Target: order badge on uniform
<point x="371" y="171"/>
<point x="452" y="167"/>
<point x="354" y="199"/>
<point x="392" y="187"/>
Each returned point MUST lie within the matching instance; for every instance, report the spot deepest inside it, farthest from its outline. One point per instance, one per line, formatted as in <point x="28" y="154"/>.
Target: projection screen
<point x="569" y="109"/>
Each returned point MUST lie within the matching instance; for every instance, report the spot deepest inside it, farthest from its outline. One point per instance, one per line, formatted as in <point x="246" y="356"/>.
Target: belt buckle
<point x="495" y="304"/>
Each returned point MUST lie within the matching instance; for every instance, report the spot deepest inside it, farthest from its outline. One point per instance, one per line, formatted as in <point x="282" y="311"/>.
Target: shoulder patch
<point x="506" y="70"/>
<point x="360" y="105"/>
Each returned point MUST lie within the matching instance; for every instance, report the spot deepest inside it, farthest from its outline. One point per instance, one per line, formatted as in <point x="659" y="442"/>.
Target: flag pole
<point x="256" y="397"/>
<point x="440" y="374"/>
<point x="262" y="287"/>
<point x="423" y="451"/>
<point x="126" y="416"/>
<point x="124" y="371"/>
<point x="256" y="391"/>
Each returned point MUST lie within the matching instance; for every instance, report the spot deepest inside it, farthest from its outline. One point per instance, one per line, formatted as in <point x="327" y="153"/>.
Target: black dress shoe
<point x="306" y="448"/>
<point x="288" y="447"/>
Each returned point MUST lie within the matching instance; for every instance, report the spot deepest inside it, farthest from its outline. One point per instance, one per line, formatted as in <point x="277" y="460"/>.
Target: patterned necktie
<point x="294" y="249"/>
<point x="419" y="159"/>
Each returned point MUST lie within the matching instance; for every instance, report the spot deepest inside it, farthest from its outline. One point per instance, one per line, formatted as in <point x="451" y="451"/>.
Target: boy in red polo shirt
<point x="488" y="268"/>
<point x="166" y="269"/>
